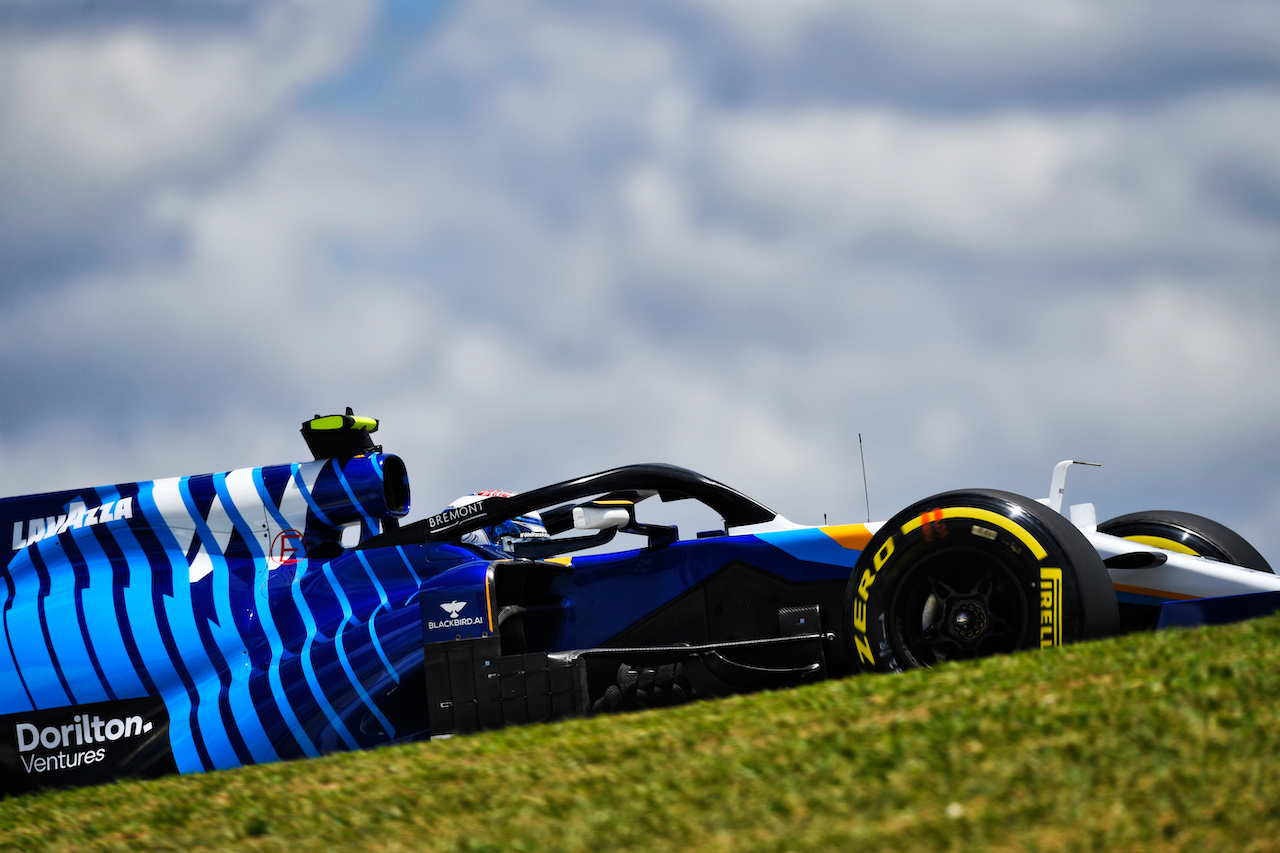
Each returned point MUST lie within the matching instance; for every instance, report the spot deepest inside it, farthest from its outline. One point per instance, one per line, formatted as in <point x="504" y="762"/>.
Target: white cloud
<point x="1012" y="184"/>
<point x="94" y="119"/>
<point x="859" y="172"/>
<point x="119" y="106"/>
<point x="1174" y="363"/>
<point x="568" y="242"/>
<point x="978" y="40"/>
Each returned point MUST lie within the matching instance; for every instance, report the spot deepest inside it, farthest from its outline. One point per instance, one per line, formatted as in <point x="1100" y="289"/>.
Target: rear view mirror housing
<point x="603" y="516"/>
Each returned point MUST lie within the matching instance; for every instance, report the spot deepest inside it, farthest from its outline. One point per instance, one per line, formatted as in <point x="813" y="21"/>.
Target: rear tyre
<point x="1187" y="534"/>
<point x="973" y="573"/>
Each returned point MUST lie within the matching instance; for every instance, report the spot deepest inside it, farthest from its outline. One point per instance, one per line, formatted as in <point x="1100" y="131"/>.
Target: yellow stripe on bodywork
<point x="984" y="515"/>
<point x="1166" y="544"/>
<point x="852" y="536"/>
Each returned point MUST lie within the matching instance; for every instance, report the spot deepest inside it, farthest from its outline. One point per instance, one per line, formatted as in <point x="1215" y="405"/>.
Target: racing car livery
<point x="211" y="621"/>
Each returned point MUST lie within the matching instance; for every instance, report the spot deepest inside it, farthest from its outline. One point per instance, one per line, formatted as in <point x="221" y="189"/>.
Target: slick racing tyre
<point x="1186" y="534"/>
<point x="973" y="573"/>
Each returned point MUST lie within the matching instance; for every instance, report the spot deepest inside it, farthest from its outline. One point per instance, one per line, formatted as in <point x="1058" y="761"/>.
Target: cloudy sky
<point x="538" y="240"/>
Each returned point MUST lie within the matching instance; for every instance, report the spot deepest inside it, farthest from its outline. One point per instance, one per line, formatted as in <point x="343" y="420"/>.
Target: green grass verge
<point x="1146" y="742"/>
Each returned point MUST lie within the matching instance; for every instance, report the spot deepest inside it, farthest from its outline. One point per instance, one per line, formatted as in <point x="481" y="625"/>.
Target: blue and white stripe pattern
<point x="227" y="595"/>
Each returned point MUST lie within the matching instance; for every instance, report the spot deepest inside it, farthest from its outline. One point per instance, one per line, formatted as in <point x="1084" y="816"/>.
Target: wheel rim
<point x="959" y="603"/>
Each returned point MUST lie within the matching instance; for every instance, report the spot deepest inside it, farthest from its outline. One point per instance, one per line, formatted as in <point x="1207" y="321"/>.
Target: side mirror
<point x="603" y="515"/>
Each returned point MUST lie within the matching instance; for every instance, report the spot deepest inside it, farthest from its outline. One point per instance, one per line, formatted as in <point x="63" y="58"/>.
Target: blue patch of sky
<point x="371" y="78"/>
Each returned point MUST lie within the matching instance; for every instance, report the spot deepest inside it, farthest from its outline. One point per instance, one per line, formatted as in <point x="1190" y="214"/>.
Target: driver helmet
<point x="505" y="533"/>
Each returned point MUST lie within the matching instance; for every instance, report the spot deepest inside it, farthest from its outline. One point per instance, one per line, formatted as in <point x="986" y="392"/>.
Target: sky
<point x="761" y="240"/>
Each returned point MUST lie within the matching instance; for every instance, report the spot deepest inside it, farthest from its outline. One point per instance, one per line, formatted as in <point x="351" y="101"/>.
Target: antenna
<point x="865" y="491"/>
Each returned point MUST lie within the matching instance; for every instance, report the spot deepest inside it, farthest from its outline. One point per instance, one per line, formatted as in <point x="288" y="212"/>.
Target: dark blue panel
<point x="608" y="592"/>
<point x="202" y="492"/>
<point x="1217" y="611"/>
<point x="275" y="480"/>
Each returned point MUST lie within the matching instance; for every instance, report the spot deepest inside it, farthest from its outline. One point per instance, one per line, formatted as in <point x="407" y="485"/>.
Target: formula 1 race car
<point x="212" y="621"/>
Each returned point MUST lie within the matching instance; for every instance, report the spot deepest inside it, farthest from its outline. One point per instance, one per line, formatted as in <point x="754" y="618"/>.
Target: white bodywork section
<point x="1169" y="574"/>
<point x="1181" y="575"/>
<point x="1059" y="483"/>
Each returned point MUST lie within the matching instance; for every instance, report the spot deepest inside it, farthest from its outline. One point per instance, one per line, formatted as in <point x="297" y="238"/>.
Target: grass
<point x="1147" y="742"/>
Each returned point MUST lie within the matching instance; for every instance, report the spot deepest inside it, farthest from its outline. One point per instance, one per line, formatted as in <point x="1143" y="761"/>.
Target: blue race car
<point x="212" y="621"/>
